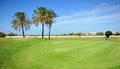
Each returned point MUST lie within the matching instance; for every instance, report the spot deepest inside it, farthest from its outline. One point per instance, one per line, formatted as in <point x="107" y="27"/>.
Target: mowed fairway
<point x="79" y="53"/>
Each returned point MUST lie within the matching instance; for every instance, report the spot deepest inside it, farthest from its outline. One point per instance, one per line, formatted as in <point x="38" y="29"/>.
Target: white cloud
<point x="108" y="18"/>
<point x="103" y="4"/>
<point x="105" y="13"/>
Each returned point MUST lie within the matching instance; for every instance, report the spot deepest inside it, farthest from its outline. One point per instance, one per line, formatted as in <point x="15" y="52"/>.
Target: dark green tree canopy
<point x="2" y="34"/>
<point x="11" y="34"/>
<point x="108" y="33"/>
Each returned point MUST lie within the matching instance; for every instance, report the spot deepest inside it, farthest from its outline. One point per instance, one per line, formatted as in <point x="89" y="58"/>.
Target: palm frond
<point x="20" y="20"/>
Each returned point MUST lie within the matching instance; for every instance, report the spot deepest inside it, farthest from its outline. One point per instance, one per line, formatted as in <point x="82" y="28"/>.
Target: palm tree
<point x="21" y="22"/>
<point x="39" y="16"/>
<point x="51" y="15"/>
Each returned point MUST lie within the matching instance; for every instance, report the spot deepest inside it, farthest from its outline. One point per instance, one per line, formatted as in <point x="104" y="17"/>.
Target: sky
<point x="73" y="15"/>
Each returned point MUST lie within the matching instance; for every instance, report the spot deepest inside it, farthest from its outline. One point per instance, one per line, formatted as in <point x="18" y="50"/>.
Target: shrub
<point x="2" y="34"/>
<point x="108" y="34"/>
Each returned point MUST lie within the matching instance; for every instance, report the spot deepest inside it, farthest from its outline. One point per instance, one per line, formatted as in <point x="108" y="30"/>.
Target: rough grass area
<point x="73" y="53"/>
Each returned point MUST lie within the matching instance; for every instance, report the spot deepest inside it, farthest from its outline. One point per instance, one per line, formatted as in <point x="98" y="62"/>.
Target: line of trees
<point x="42" y="16"/>
<point x="2" y="34"/>
<point x="83" y="34"/>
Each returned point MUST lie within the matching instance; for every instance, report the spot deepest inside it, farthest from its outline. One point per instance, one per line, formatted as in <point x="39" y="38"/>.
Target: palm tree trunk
<point x="23" y="31"/>
<point x="49" y="32"/>
<point x="42" y="30"/>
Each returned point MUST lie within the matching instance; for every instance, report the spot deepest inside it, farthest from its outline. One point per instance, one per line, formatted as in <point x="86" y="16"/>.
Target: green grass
<point x="74" y="53"/>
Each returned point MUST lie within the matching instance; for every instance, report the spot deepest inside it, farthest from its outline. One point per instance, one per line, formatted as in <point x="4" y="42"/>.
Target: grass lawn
<point x="79" y="53"/>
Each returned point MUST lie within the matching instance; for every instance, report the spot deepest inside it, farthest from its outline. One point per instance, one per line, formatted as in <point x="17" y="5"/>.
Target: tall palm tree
<point x="51" y="15"/>
<point x="39" y="16"/>
<point x="21" y="22"/>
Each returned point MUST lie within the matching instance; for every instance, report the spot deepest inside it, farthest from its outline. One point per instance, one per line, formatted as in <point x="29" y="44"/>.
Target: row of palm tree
<point x="42" y="16"/>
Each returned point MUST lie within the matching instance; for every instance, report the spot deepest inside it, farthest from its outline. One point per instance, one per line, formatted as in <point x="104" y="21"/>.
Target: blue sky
<point x="74" y="15"/>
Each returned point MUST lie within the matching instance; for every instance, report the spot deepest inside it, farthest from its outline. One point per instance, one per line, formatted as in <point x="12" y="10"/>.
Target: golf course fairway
<point x="59" y="53"/>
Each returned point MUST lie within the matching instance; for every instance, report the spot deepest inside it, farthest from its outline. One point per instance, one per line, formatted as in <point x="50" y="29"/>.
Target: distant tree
<point x="99" y="33"/>
<point x="83" y="34"/>
<point x="21" y="22"/>
<point x="11" y="34"/>
<point x="108" y="34"/>
<point x="70" y="33"/>
<point x="77" y="34"/>
<point x="117" y="33"/>
<point x="2" y="34"/>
